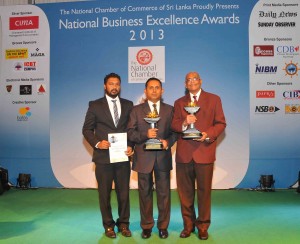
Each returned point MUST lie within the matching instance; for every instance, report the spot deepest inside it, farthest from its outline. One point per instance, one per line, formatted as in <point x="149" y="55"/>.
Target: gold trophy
<point x="152" y="143"/>
<point x="191" y="132"/>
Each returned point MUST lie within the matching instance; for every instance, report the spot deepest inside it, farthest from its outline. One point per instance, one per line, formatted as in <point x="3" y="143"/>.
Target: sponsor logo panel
<point x="37" y="53"/>
<point x="24" y="23"/>
<point x="24" y="114"/>
<point x="292" y="108"/>
<point x="291" y="95"/>
<point x="41" y="89"/>
<point x="265" y="94"/>
<point x="20" y="53"/>
<point x="263" y="50"/>
<point x="287" y="51"/>
<point x="277" y="24"/>
<point x="25" y="66"/>
<point x="266" y="109"/>
<point x="25" y="89"/>
<point x="9" y="89"/>
<point x="291" y="69"/>
<point x="275" y="15"/>
<point x="265" y="69"/>
<point x="30" y="66"/>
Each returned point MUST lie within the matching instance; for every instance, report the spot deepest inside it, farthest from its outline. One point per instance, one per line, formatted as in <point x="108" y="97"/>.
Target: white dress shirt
<point x="111" y="106"/>
<point x="157" y="106"/>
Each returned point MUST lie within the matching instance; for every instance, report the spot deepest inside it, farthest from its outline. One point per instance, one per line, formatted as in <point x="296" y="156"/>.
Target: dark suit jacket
<point x="99" y="122"/>
<point x="143" y="161"/>
<point x="210" y="119"/>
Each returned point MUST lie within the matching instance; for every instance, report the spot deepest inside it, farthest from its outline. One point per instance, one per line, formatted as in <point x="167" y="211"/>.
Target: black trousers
<point x="106" y="174"/>
<point x="162" y="188"/>
<point x="186" y="175"/>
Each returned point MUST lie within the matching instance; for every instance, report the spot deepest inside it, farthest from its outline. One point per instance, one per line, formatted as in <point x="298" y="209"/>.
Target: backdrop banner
<point x="54" y="58"/>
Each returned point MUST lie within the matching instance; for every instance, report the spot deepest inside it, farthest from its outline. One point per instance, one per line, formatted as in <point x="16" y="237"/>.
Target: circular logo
<point x="291" y="69"/>
<point x="257" y="50"/>
<point x="144" y="56"/>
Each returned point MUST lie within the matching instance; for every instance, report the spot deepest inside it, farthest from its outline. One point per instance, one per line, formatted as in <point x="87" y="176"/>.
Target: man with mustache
<point x="157" y="162"/>
<point x="195" y="157"/>
<point x="110" y="114"/>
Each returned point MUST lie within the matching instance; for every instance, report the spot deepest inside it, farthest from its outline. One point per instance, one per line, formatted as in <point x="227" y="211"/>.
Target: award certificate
<point x="118" y="147"/>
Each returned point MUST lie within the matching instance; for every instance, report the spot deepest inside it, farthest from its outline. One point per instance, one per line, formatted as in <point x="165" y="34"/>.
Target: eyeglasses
<point x="192" y="79"/>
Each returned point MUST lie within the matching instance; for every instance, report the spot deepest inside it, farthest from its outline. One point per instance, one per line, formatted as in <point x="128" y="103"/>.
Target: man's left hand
<point x="164" y="143"/>
<point x="129" y="151"/>
<point x="201" y="139"/>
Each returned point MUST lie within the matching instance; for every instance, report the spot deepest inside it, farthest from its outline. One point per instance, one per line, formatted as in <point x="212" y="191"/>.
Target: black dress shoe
<point x="203" y="234"/>
<point x="125" y="231"/>
<point x="163" y="233"/>
<point x="185" y="233"/>
<point x="110" y="233"/>
<point x="146" y="233"/>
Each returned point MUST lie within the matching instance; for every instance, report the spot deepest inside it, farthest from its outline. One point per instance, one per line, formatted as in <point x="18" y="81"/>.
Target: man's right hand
<point x="190" y="119"/>
<point x="104" y="144"/>
<point x="152" y="133"/>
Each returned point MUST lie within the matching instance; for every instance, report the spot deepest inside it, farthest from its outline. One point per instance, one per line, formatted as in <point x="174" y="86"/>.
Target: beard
<point x="112" y="93"/>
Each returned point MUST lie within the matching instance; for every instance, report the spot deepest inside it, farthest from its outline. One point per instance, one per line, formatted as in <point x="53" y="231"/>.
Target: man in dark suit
<point x="195" y="157"/>
<point x="110" y="114"/>
<point x="146" y="162"/>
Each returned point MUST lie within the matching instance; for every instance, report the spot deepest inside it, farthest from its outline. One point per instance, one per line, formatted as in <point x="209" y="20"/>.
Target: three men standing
<point x="194" y="157"/>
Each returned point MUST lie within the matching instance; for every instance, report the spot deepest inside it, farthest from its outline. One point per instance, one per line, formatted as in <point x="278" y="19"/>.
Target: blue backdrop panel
<point x="91" y="39"/>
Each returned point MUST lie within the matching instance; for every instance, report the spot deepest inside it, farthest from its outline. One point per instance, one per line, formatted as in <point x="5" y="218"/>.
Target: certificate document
<point x="118" y="147"/>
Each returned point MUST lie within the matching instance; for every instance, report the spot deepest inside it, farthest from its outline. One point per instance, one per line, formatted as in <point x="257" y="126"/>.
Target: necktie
<point x="116" y="115"/>
<point x="195" y="99"/>
<point x="154" y="109"/>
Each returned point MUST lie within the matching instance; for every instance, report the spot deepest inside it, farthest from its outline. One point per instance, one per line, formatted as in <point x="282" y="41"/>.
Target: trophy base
<point x="191" y="134"/>
<point x="153" y="145"/>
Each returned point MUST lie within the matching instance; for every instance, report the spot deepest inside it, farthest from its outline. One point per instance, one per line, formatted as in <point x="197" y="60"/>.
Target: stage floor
<point x="72" y="216"/>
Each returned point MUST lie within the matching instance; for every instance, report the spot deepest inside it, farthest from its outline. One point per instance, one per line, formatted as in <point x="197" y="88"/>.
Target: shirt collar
<point x="151" y="103"/>
<point x="108" y="98"/>
<point x="197" y="95"/>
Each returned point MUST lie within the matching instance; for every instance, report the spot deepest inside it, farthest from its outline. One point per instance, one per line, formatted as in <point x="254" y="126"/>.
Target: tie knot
<point x="195" y="98"/>
<point x="154" y="105"/>
<point x="114" y="101"/>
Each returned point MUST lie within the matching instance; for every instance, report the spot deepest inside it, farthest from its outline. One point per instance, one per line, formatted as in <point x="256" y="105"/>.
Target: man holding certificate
<point x="105" y="130"/>
<point x="149" y="127"/>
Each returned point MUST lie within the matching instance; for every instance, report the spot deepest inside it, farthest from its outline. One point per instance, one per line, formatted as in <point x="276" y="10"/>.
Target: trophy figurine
<point x="152" y="143"/>
<point x="191" y="132"/>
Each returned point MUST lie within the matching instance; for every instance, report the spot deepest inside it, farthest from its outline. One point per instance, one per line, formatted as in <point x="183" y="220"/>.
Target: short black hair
<point x="153" y="78"/>
<point x="111" y="75"/>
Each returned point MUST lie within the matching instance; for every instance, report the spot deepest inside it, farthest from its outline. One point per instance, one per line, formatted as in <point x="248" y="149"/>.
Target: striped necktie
<point x="116" y="115"/>
<point x="195" y="99"/>
<point x="154" y="109"/>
